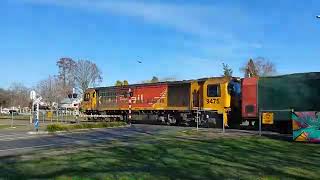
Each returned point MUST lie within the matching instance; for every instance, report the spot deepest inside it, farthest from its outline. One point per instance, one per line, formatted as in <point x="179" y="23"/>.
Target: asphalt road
<point x="17" y="142"/>
<point x="21" y="141"/>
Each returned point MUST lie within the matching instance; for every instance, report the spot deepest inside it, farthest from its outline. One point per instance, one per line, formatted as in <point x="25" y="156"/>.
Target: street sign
<point x="37" y="100"/>
<point x="36" y="124"/>
<point x="267" y="118"/>
<point x="33" y="95"/>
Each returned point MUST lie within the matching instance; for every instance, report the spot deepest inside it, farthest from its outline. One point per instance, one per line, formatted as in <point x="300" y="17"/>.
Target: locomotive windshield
<point x="214" y="90"/>
<point x="86" y="97"/>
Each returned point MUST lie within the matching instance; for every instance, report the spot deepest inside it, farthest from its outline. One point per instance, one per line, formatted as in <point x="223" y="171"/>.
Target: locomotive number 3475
<point x="213" y="101"/>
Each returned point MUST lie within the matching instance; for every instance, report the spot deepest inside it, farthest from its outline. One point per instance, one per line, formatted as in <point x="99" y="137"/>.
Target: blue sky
<point x="173" y="38"/>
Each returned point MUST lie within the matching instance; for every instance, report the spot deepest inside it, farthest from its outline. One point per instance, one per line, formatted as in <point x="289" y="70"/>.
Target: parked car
<point x="14" y="112"/>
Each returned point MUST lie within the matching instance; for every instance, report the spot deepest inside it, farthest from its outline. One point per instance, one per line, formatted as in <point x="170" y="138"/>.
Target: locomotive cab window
<point x="213" y="90"/>
<point x="86" y="97"/>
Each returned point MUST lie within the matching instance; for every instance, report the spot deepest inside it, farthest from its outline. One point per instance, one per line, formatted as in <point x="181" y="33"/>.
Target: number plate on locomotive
<point x="213" y="101"/>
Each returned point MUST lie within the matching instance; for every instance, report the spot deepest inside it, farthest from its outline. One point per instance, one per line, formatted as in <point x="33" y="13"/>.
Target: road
<point x="20" y="141"/>
<point x="17" y="142"/>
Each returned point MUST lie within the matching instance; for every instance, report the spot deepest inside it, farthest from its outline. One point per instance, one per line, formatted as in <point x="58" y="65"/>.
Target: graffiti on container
<point x="306" y="126"/>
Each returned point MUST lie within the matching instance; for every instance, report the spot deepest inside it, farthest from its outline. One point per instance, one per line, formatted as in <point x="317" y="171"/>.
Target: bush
<point x="56" y="127"/>
<point x="65" y="127"/>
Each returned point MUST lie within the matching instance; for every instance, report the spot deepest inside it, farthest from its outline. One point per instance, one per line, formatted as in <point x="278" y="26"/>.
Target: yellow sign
<point x="267" y="118"/>
<point x="49" y="114"/>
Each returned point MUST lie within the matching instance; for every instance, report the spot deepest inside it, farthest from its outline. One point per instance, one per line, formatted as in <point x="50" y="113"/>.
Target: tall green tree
<point x="118" y="83"/>
<point x="227" y="71"/>
<point x="125" y="83"/>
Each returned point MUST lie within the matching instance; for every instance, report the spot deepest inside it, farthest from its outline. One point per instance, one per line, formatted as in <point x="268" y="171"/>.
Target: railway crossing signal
<point x="130" y="105"/>
<point x="35" y="102"/>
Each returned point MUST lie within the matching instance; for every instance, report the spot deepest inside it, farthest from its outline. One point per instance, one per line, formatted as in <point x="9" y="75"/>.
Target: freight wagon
<point x="214" y="100"/>
<point x="280" y="95"/>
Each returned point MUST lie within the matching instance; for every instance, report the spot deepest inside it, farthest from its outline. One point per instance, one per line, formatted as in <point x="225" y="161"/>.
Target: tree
<point x="19" y="95"/>
<point x="259" y="67"/>
<point x="265" y="67"/>
<point x="227" y="71"/>
<point x="125" y="83"/>
<point x="86" y="74"/>
<point x="119" y="83"/>
<point x="4" y="97"/>
<point x="250" y="70"/>
<point x="66" y="67"/>
<point x="51" y="90"/>
<point x="154" y="79"/>
<point x="168" y="79"/>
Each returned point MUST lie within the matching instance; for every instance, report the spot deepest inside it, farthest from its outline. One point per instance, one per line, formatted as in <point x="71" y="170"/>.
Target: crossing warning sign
<point x="267" y="118"/>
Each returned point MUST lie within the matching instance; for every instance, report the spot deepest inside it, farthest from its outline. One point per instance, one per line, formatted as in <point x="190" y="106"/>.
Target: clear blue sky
<point x="173" y="38"/>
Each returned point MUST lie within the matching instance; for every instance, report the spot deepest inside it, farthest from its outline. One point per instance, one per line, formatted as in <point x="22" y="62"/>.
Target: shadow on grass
<point x="171" y="157"/>
<point x="281" y="137"/>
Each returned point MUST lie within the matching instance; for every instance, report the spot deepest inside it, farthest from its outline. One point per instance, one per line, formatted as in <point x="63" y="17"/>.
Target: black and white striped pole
<point x="130" y="106"/>
<point x="35" y="101"/>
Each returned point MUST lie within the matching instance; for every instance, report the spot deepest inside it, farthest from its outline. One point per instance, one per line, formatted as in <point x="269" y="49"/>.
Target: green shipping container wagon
<point x="300" y="92"/>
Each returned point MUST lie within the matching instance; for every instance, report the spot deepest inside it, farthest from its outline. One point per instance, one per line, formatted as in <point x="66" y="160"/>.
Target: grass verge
<point x="69" y="127"/>
<point x="170" y="156"/>
<point x="4" y="126"/>
<point x="20" y="117"/>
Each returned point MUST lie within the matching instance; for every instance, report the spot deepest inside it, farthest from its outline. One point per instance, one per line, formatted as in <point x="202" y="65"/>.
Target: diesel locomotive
<point x="213" y="101"/>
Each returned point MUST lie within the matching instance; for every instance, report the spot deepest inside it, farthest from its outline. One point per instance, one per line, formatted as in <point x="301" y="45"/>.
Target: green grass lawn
<point x="4" y="126"/>
<point x="14" y="127"/>
<point x="15" y="117"/>
<point x="173" y="156"/>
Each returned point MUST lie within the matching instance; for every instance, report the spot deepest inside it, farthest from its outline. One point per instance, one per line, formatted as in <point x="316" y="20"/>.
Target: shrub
<point x="65" y="127"/>
<point x="56" y="127"/>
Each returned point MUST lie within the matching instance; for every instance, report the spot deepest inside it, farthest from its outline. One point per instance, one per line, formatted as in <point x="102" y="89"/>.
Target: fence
<point x="45" y="116"/>
<point x="62" y="116"/>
